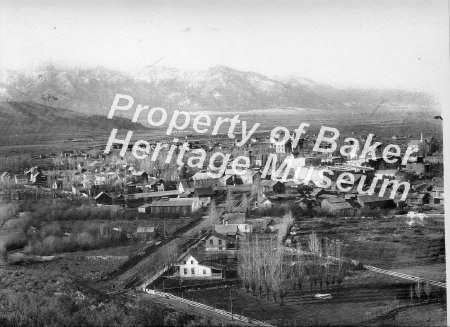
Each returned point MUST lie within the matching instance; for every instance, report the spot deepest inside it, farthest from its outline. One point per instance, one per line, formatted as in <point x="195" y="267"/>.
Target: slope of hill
<point x="219" y="89"/>
<point x="29" y="117"/>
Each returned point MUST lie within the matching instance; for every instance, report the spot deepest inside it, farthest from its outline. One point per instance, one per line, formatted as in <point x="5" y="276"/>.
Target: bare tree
<point x="229" y="202"/>
<point x="427" y="289"/>
<point x="285" y="225"/>
<point x="213" y="213"/>
<point x="245" y="203"/>
<point x="418" y="290"/>
<point x="314" y="244"/>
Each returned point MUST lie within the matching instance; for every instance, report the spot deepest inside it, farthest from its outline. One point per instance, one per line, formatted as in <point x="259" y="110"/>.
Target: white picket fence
<point x="405" y="276"/>
<point x="378" y="270"/>
<point x="229" y="315"/>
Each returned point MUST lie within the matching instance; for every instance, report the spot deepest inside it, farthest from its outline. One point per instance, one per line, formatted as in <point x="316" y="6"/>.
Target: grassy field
<point x="363" y="296"/>
<point x="386" y="242"/>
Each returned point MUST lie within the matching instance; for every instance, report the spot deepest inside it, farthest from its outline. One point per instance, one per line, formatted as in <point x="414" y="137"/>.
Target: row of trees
<point x="52" y="239"/>
<point x="267" y="267"/>
<point x="418" y="289"/>
<point x="263" y="266"/>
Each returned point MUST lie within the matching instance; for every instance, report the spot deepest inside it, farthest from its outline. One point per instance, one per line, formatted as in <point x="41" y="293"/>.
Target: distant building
<point x="156" y="195"/>
<point x="233" y="230"/>
<point x="146" y="208"/>
<point x="264" y="203"/>
<point x="227" y="180"/>
<point x="220" y="242"/>
<point x="271" y="186"/>
<point x="387" y="173"/>
<point x="375" y="201"/>
<point x="146" y="233"/>
<point x="139" y="177"/>
<point x="336" y="205"/>
<point x="438" y="194"/>
<point x="181" y="206"/>
<point x="205" y="179"/>
<point x="103" y="199"/>
<point x="251" y="177"/>
<point x="417" y="198"/>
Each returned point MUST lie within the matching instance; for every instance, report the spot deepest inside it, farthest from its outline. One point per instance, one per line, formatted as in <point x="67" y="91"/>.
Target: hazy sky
<point x="344" y="43"/>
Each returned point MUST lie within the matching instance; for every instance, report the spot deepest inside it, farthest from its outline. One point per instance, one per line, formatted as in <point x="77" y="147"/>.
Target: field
<point x="363" y="296"/>
<point x="399" y="123"/>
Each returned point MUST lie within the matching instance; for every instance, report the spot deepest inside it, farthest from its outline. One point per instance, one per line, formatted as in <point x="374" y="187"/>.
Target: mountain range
<point x="218" y="89"/>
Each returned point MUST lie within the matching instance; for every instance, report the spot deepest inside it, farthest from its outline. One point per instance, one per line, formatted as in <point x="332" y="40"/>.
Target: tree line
<point x="267" y="267"/>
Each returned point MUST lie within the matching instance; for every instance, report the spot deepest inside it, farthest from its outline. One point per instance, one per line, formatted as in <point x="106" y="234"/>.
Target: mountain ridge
<point x="217" y="89"/>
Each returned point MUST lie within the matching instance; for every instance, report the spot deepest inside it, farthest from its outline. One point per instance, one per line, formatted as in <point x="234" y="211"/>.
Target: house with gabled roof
<point x="336" y="205"/>
<point x="139" y="176"/>
<point x="220" y="242"/>
<point x="195" y="265"/>
<point x="103" y="199"/>
<point x="271" y="186"/>
<point x="264" y="203"/>
<point x="251" y="176"/>
<point x="233" y="230"/>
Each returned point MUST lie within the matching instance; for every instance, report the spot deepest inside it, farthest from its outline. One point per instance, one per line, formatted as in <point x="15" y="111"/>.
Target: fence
<point x="224" y="313"/>
<point x="405" y="276"/>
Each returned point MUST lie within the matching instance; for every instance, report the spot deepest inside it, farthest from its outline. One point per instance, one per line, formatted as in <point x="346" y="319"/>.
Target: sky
<point x="346" y="43"/>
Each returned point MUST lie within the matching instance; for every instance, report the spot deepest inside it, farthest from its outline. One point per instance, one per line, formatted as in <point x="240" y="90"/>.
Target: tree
<point x="411" y="293"/>
<point x="229" y="202"/>
<point x="314" y="245"/>
<point x="255" y="188"/>
<point x="427" y="289"/>
<point x="213" y="214"/>
<point x="245" y="205"/>
<point x="285" y="225"/>
<point x="418" y="290"/>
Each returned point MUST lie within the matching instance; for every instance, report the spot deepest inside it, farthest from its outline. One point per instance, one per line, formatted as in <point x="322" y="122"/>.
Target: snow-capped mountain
<point x="218" y="89"/>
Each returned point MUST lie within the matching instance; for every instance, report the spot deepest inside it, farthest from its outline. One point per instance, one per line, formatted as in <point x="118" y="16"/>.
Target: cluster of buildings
<point x="119" y="183"/>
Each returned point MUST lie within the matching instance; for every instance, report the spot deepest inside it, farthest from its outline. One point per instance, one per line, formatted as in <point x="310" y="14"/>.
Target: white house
<point x="194" y="267"/>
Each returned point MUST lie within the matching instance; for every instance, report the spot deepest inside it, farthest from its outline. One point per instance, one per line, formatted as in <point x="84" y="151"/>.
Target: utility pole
<point x="231" y="305"/>
<point x="164" y="227"/>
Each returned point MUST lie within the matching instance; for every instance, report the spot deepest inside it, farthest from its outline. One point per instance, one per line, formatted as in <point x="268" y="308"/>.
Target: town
<point x="173" y="231"/>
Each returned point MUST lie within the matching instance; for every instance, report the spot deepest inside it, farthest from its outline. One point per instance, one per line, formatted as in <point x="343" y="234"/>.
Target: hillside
<point x="218" y="89"/>
<point x="29" y="117"/>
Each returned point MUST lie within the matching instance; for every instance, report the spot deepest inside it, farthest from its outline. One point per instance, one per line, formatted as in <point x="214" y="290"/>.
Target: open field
<point x="361" y="297"/>
<point x="426" y="315"/>
<point x="386" y="242"/>
<point x="399" y="123"/>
